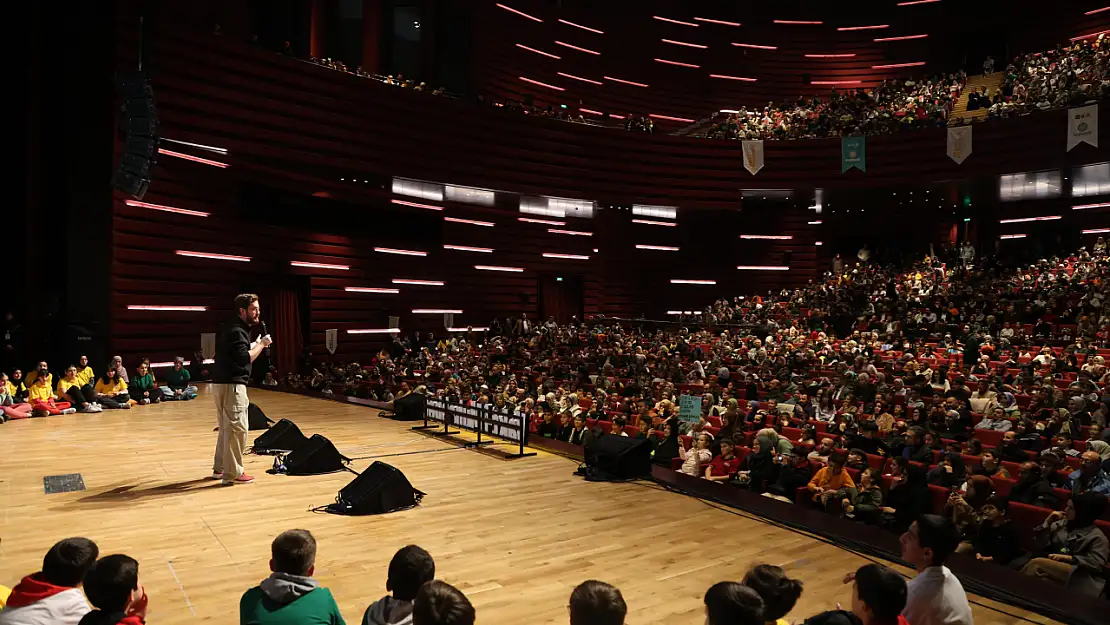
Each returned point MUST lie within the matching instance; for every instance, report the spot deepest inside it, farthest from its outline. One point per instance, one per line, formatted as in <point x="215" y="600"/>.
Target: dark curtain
<point x="288" y="341"/>
<point x="560" y="298"/>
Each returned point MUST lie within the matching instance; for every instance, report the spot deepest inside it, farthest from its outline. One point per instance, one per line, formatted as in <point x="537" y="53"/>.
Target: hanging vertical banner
<point x="208" y="344"/>
<point x="394" y="322"/>
<point x="959" y="143"/>
<point x="1083" y="126"/>
<point x="753" y="156"/>
<point x="853" y="153"/>
<point x="448" y="320"/>
<point x="331" y="340"/>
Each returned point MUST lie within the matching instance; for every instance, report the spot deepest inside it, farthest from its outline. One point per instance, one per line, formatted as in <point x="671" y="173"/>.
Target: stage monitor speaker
<point x="283" y="436"/>
<point x="612" y="457"/>
<point x="316" y="456"/>
<point x="257" y="419"/>
<point x="381" y="488"/>
<point x="410" y="407"/>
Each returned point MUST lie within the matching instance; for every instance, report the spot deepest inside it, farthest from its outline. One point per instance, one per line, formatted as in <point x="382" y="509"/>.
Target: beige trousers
<point x="231" y="414"/>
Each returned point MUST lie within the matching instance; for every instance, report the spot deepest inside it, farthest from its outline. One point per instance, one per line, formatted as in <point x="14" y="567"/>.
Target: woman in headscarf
<point x="1072" y="550"/>
<point x="965" y="510"/>
<point x="908" y="496"/>
<point x="1102" y="448"/>
<point x="667" y="449"/>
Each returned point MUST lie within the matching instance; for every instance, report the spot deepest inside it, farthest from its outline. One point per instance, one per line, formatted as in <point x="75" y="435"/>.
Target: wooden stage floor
<point x="516" y="536"/>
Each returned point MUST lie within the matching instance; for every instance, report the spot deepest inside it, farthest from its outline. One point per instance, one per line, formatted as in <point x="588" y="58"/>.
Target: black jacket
<point x="233" y="358"/>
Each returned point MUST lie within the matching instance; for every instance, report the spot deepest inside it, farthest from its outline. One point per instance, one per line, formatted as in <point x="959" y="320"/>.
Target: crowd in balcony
<point x="1069" y="75"/>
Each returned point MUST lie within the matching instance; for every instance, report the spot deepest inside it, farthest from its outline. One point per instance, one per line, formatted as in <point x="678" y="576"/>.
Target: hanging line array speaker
<point x="139" y="123"/>
<point x="315" y="457"/>
<point x="379" y="489"/>
<point x="284" y="436"/>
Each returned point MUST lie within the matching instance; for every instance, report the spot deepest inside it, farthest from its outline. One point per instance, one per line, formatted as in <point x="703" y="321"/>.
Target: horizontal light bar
<point x="566" y="256"/>
<point x="875" y="27"/>
<point x="592" y="30"/>
<point x="683" y="43"/>
<point x="547" y="54"/>
<point x="1086" y="206"/>
<point x="168" y="209"/>
<point x="469" y="329"/>
<point x="170" y="308"/>
<point x="370" y="289"/>
<point x="649" y="222"/>
<point x="834" y="82"/>
<point x="591" y="111"/>
<point x="195" y="159"/>
<point x="894" y="65"/>
<point x="577" y="233"/>
<point x="542" y="84"/>
<point x="573" y="47"/>
<point x="199" y="146"/>
<point x="769" y="237"/>
<point x="667" y="19"/>
<point x="417" y="205"/>
<point x="913" y="2"/>
<point x="1093" y="11"/>
<point x="732" y="111"/>
<point x="437" y="311"/>
<point x="467" y="248"/>
<point x="573" y="77"/>
<point x="674" y="281"/>
<point x="186" y="363"/>
<point x="391" y="250"/>
<point x="681" y="312"/>
<point x="1012" y="236"/>
<point x="297" y="263"/>
<point x="1090" y="35"/>
<point x="727" y="77"/>
<point x="519" y="12"/>
<point x="499" y="268"/>
<point x="549" y="222"/>
<point x="763" y="267"/>
<point x="472" y="222"/>
<point x="803" y="22"/>
<point x="818" y="243"/>
<point x="679" y="63"/>
<point x="1097" y="231"/>
<point x="713" y="21"/>
<point x="615" y="116"/>
<point x="902" y="38"/>
<point x="831" y="56"/>
<point x="1028" y="219"/>
<point x="624" y="82"/>
<point x="375" y="331"/>
<point x="754" y="45"/>
<point x="815" y="222"/>
<point x="418" y="282"/>
<point x="241" y="259"/>
<point x="673" y="119"/>
<point x="658" y="248"/>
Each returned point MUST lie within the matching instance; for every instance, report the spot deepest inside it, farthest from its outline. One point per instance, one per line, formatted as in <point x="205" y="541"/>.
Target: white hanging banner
<point x="1083" y="126"/>
<point x="394" y="322"/>
<point x="959" y="143"/>
<point x="331" y="340"/>
<point x="448" y="320"/>
<point x="753" y="156"/>
<point x="208" y="344"/>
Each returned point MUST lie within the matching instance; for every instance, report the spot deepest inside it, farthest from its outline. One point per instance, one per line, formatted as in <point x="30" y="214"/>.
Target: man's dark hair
<point x="68" y="560"/>
<point x="869" y="426"/>
<point x="110" y="581"/>
<point x="440" y="603"/>
<point x="409" y="569"/>
<point x="597" y="603"/>
<point x="779" y="592"/>
<point x="730" y="603"/>
<point x="838" y="458"/>
<point x="882" y="590"/>
<point x="244" y="300"/>
<point x="294" y="552"/>
<point x="939" y="534"/>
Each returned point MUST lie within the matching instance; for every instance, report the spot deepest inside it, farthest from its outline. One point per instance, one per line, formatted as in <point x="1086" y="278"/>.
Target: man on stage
<point x="230" y="373"/>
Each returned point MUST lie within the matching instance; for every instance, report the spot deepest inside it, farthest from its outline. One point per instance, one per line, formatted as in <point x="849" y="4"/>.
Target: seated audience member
<point x="52" y="596"/>
<point x="916" y="449"/>
<point x="580" y="434"/>
<point x="1032" y="488"/>
<point x="410" y="568"/>
<point x="121" y="371"/>
<point x="70" y="386"/>
<point x="597" y="603"/>
<point x="857" y="459"/>
<point x="868" y="440"/>
<point x="995" y="538"/>
<point x="1008" y="449"/>
<point x="934" y="596"/>
<point x="996" y="421"/>
<point x="111" y="392"/>
<point x="779" y="592"/>
<point x="822" y="452"/>
<point x="440" y="603"/>
<point x="17" y="386"/>
<point x="878" y="598"/>
<point x="731" y="603"/>
<point x="269" y="380"/>
<point x="908" y="496"/>
<point x="990" y="466"/>
<point x="177" y="382"/>
<point x="1051" y="463"/>
<point x="1090" y="477"/>
<point x="617" y="428"/>
<point x="950" y="472"/>
<point x="42" y="370"/>
<point x="112" y="586"/>
<point x="143" y="386"/>
<point x="85" y="374"/>
<point x="43" y="401"/>
<point x="1070" y="549"/>
<point x="290" y="595"/>
<point x="725" y="464"/>
<point x="964" y="510"/>
<point x="695" y="460"/>
<point x="9" y="408"/>
<point x="867" y="502"/>
<point x="828" y="484"/>
<point x="548" y="428"/>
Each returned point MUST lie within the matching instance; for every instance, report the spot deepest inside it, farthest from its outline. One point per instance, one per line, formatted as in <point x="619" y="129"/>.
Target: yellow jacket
<point x="110" y="389"/>
<point x="40" y="392"/>
<point x="30" y="378"/>
<point x="85" y="376"/>
<point x="63" y="384"/>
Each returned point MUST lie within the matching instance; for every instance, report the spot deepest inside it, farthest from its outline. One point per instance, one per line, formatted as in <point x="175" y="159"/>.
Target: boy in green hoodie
<point x="289" y="596"/>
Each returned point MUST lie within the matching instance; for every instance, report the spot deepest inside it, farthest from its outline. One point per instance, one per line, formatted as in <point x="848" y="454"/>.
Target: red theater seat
<point x="1025" y="518"/>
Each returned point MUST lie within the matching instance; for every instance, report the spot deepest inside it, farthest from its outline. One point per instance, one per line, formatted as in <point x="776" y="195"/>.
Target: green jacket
<point x="142" y="383"/>
<point x="285" y="603"/>
<point x="177" y="380"/>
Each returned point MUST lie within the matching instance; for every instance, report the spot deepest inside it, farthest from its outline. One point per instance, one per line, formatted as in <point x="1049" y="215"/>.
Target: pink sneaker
<point x="242" y="479"/>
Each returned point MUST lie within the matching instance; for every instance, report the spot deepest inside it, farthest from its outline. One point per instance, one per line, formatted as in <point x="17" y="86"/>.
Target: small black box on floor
<point x="408" y="408"/>
<point x="284" y="436"/>
<point x="611" y="457"/>
<point x="257" y="419"/>
<point x="379" y="489"/>
<point x="316" y="456"/>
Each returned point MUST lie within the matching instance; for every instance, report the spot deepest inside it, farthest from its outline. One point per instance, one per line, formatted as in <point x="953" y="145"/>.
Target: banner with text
<point x="689" y="408"/>
<point x="853" y="153"/>
<point x="1083" y="126"/>
<point x="959" y="143"/>
<point x="753" y="156"/>
<point x="489" y="419"/>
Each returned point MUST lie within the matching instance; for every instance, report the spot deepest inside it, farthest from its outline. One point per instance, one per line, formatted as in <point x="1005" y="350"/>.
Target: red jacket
<point x="33" y="589"/>
<point x="720" y="466"/>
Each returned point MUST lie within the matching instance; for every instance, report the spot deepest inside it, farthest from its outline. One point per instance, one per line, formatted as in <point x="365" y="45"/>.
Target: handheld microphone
<point x="265" y="350"/>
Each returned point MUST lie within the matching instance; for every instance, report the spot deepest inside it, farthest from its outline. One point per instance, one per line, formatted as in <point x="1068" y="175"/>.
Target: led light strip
<point x="390" y="250"/>
<point x="547" y="54"/>
<point x="467" y="248"/>
<point x="1086" y="206"/>
<point x="418" y="282"/>
<point x="769" y="237"/>
<point x="754" y="45"/>
<point x="370" y="289"/>
<point x="1093" y="11"/>
<point x="624" y="82"/>
<point x="763" y="267"/>
<point x="199" y="146"/>
<point x="667" y="19"/>
<point x="573" y="47"/>
<point x="1012" y="236"/>
<point x="681" y="312"/>
<point x="815" y="223"/>
<point x="437" y="311"/>
<point x="902" y="38"/>
<point x="472" y="222"/>
<point x="801" y="22"/>
<point x="499" y="268"/>
<point x="1028" y="219"/>
<point x="678" y="63"/>
<point x="417" y="205"/>
<point x="241" y="259"/>
<point x="834" y="82"/>
<point x="894" y="65"/>
<point x="519" y="12"/>
<point x="875" y="27"/>
<point x="660" y="248"/>
<point x="683" y="43"/>
<point x="542" y="84"/>
<point x="184" y="363"/>
<point x="573" y="77"/>
<point x="1090" y="35"/>
<point x="570" y="23"/>
<point x="297" y="263"/>
<point x="469" y="329"/>
<point x="673" y="119"/>
<point x="195" y="159"/>
<point x="167" y="209"/>
<point x="1097" y="231"/>
<point x="649" y="222"/>
<point x="591" y="111"/>
<point x="675" y="281"/>
<point x="566" y="256"/>
<point x="727" y="77"/>
<point x="577" y="233"/>
<point x="170" y="308"/>
<point x="831" y="56"/>
<point x="375" y="331"/>
<point x="549" y="222"/>
<point x="913" y="2"/>
<point x="713" y="21"/>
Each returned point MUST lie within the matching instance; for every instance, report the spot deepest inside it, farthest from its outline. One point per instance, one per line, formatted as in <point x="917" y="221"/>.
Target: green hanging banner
<point x="853" y="153"/>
